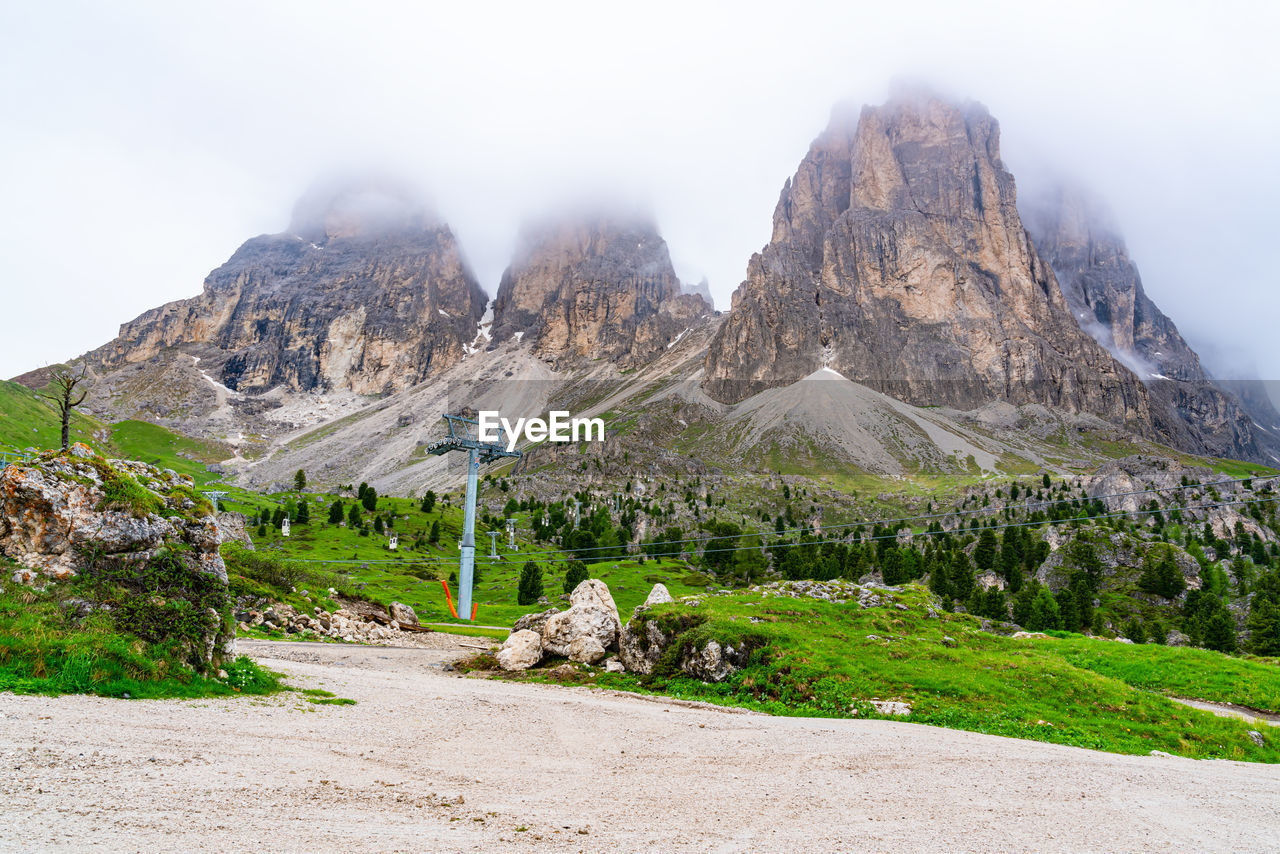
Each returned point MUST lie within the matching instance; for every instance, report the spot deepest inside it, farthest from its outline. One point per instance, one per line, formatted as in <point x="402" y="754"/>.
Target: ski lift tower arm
<point x="464" y="435"/>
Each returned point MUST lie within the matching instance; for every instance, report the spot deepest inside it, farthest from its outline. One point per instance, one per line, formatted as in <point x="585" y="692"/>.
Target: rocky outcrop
<point x="641" y="644"/>
<point x="366" y="291"/>
<point x="898" y="259"/>
<point x="59" y="512"/>
<point x="594" y="288"/>
<point x="145" y="541"/>
<point x="1075" y="235"/>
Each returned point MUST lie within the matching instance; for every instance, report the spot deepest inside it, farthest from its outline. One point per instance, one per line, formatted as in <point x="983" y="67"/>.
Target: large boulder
<point x="534" y="622"/>
<point x="233" y="528"/>
<point x="562" y="628"/>
<point x="520" y="651"/>
<point x="402" y="614"/>
<point x="586" y="649"/>
<point x="594" y="593"/>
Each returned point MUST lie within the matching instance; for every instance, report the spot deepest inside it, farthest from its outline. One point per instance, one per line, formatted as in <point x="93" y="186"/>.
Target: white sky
<point x="143" y="142"/>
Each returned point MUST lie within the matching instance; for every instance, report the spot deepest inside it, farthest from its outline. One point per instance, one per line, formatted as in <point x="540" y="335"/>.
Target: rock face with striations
<point x="594" y="288"/>
<point x="366" y="291"/>
<point x="1075" y="235"/>
<point x="898" y="259"/>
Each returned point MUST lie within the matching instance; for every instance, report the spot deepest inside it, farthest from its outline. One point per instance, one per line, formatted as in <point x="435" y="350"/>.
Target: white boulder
<point x="520" y="651"/>
<point x="658" y="595"/>
<point x="593" y="621"/>
<point x="586" y="649"/>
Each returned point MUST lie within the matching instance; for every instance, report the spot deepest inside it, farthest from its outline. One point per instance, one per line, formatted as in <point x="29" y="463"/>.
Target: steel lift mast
<point x="464" y="436"/>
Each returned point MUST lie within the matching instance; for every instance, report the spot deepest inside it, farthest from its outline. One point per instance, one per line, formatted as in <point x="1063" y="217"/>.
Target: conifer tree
<point x="530" y="587"/>
<point x="574" y="575"/>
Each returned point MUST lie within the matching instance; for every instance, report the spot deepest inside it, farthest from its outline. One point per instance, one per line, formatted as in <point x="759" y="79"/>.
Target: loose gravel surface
<point x="431" y="761"/>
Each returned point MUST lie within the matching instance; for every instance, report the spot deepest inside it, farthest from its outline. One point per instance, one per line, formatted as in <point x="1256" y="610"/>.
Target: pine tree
<point x="1133" y="631"/>
<point x="1068" y="609"/>
<point x="370" y="500"/>
<point x="378" y="527"/>
<point x="1264" y="627"/>
<point x="574" y="575"/>
<point x="300" y="480"/>
<point x="1220" y="632"/>
<point x="1044" y="612"/>
<point x="353" y="516"/>
<point x="335" y="512"/>
<point x="530" y="588"/>
<point x="1161" y="575"/>
<point x="434" y="536"/>
<point x="304" y="513"/>
<point x="428" y="502"/>
<point x="985" y="554"/>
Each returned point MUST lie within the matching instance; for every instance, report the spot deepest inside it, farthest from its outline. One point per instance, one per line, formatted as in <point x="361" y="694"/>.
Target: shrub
<point x="530" y="588"/>
<point x="575" y="575"/>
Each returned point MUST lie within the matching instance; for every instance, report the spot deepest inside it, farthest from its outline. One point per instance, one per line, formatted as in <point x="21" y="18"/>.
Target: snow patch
<point x="519" y="336"/>
<point x="826" y="369"/>
<point x="195" y="363"/>
<point x="676" y="340"/>
<point x="483" y="336"/>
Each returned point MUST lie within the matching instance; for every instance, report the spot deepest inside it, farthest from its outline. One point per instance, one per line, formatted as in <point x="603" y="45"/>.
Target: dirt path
<point x="1230" y="710"/>
<point x="429" y="761"/>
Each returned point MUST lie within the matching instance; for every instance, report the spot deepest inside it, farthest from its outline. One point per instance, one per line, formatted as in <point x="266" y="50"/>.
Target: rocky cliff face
<point x="594" y="288"/>
<point x="1075" y="235"/>
<point x="899" y="260"/>
<point x="364" y="292"/>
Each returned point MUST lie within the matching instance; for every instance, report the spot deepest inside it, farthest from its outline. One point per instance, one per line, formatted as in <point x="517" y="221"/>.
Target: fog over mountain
<point x="145" y="141"/>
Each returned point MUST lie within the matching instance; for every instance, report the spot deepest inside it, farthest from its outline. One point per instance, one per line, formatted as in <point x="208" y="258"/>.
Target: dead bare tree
<point x="62" y="393"/>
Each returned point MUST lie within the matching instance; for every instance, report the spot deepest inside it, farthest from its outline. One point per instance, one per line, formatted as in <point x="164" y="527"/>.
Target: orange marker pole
<point x="449" y="599"/>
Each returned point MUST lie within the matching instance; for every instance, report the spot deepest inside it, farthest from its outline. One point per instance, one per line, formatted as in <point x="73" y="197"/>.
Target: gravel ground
<point x="429" y="761"/>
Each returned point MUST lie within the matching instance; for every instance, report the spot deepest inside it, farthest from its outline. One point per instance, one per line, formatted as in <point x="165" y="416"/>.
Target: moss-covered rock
<point x="136" y="538"/>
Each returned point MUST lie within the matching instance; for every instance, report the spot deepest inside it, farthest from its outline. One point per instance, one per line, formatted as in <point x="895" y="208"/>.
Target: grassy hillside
<point x="27" y="420"/>
<point x="820" y="658"/>
<point x="413" y="574"/>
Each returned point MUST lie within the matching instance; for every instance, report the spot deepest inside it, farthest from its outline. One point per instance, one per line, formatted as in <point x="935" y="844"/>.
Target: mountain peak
<point x="359" y="206"/>
<point x="592" y="286"/>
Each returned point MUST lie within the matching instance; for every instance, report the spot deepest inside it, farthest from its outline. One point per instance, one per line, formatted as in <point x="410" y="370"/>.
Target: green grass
<point x="29" y="421"/>
<point x="414" y="576"/>
<point x="45" y="650"/>
<point x="814" y="658"/>
<point x="150" y="443"/>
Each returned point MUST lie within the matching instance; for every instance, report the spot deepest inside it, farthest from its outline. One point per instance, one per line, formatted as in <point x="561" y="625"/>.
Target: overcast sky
<point x="143" y="142"/>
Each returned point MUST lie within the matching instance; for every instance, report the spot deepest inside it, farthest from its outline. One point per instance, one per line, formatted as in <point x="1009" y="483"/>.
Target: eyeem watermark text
<point x="559" y="428"/>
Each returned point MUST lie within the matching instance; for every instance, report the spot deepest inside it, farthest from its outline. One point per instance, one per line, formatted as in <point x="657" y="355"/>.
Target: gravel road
<point x="430" y="761"/>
